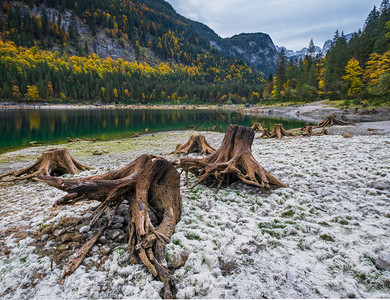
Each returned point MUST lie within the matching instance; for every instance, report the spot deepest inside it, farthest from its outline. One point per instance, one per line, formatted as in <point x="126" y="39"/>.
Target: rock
<point x="67" y="237"/>
<point x="118" y="219"/>
<point x="117" y="225"/>
<point x="95" y="248"/>
<point x="206" y="205"/>
<point x="113" y="234"/>
<point x="381" y="185"/>
<point x="85" y="229"/>
<point x="59" y="232"/>
<point x="63" y="247"/>
<point x="104" y="250"/>
<point x="75" y="237"/>
<point x="383" y="262"/>
<point x="121" y="238"/>
<point x="47" y="230"/>
<point x="103" y="239"/>
<point x="347" y="135"/>
<point x="178" y="260"/>
<point x="97" y="152"/>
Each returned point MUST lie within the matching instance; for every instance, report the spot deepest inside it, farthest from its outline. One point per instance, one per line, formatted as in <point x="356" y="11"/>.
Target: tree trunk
<point x="231" y="162"/>
<point x="147" y="183"/>
<point x="196" y="144"/>
<point x="53" y="162"/>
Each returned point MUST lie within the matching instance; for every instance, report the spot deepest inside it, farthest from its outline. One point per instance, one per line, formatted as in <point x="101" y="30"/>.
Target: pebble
<point x="118" y="219"/>
<point x="113" y="234"/>
<point x="85" y="229"/>
<point x="103" y="239"/>
<point x="104" y="250"/>
<point x="59" y="232"/>
<point x="383" y="262"/>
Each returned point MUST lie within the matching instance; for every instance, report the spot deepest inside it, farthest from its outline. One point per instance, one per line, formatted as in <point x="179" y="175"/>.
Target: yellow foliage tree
<point x="353" y="77"/>
<point x="32" y="93"/>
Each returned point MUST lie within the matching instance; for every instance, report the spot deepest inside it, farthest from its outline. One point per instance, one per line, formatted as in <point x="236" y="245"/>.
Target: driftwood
<point x="257" y="127"/>
<point x="149" y="184"/>
<point x="196" y="144"/>
<point x="331" y="120"/>
<point x="231" y="162"/>
<point x="53" y="162"/>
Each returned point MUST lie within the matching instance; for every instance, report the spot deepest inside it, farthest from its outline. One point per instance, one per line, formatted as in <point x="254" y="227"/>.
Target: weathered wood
<point x="149" y="183"/>
<point x="53" y="162"/>
<point x="279" y="132"/>
<point x="331" y="120"/>
<point x="231" y="162"/>
<point x="257" y="127"/>
<point x="196" y="144"/>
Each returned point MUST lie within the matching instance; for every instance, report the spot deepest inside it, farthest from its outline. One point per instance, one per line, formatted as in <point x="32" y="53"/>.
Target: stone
<point x="97" y="152"/>
<point x="178" y="260"/>
<point x="117" y="225"/>
<point x="113" y="234"/>
<point x="118" y="219"/>
<point x="47" y="230"/>
<point x="77" y="237"/>
<point x="59" y="232"/>
<point x="85" y="229"/>
<point x="103" y="239"/>
<point x="347" y="135"/>
<point x="104" y="250"/>
<point x="67" y="237"/>
<point x="383" y="262"/>
<point x="381" y="185"/>
<point x="206" y="205"/>
<point x="63" y="247"/>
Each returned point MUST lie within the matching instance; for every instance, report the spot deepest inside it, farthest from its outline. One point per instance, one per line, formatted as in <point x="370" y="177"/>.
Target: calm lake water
<point x="18" y="127"/>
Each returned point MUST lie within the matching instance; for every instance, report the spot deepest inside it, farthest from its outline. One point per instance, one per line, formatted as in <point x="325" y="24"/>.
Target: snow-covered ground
<point x="319" y="238"/>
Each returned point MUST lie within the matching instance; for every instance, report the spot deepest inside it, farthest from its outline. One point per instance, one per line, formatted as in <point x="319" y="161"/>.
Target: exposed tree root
<point x="196" y="144"/>
<point x="331" y="120"/>
<point x="148" y="183"/>
<point x="231" y="162"/>
<point x="53" y="162"/>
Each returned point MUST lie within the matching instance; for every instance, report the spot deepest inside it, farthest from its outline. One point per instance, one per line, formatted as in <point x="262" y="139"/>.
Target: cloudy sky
<point x="290" y="23"/>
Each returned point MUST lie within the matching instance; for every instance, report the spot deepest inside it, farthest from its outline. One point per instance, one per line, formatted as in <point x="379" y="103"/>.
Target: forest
<point x="43" y="58"/>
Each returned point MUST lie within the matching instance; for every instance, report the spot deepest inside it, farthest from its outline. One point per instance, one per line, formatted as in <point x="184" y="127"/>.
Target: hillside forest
<point x="46" y="57"/>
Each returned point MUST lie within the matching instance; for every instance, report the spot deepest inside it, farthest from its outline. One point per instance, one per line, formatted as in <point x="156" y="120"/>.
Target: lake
<point x="19" y="127"/>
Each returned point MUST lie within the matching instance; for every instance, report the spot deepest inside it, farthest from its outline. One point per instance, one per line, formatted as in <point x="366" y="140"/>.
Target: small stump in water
<point x="149" y="184"/>
<point x="196" y="144"/>
<point x="53" y="162"/>
<point x="231" y="162"/>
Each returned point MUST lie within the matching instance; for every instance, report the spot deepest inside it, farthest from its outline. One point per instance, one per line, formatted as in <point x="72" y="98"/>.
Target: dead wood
<point x="265" y="134"/>
<point x="53" y="162"/>
<point x="149" y="184"/>
<point x="279" y="131"/>
<point x="257" y="127"/>
<point x="231" y="162"/>
<point x="331" y="120"/>
<point x="196" y="144"/>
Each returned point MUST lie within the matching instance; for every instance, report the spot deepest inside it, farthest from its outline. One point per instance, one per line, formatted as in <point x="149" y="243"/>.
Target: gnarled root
<point x="53" y="162"/>
<point x="147" y="183"/>
<point x="196" y="144"/>
<point x="232" y="161"/>
<point x="331" y="120"/>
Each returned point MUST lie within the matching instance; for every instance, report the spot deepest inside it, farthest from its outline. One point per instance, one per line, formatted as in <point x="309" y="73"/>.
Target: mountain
<point x="257" y="49"/>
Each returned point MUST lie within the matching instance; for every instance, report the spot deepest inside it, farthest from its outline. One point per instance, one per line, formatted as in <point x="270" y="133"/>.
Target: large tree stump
<point x="148" y="183"/>
<point x="331" y="120"/>
<point x="53" y="162"/>
<point x="257" y="127"/>
<point x="279" y="131"/>
<point x="231" y="162"/>
<point x="196" y="144"/>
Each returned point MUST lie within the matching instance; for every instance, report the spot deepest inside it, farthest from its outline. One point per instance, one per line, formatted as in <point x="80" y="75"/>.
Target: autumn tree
<point x="32" y="93"/>
<point x="353" y="77"/>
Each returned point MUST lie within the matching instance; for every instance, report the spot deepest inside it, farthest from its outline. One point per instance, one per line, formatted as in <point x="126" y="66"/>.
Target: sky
<point x="290" y="23"/>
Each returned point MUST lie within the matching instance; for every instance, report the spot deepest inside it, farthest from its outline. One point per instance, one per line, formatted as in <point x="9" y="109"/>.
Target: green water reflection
<point x="21" y="126"/>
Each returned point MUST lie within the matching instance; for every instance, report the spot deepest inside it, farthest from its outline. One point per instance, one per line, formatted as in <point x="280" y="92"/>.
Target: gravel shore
<point x="325" y="236"/>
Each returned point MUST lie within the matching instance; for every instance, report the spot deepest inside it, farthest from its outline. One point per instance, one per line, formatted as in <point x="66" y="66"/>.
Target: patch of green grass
<point x="192" y="236"/>
<point x="327" y="237"/>
<point x="325" y="224"/>
<point x="289" y="213"/>
<point x="178" y="243"/>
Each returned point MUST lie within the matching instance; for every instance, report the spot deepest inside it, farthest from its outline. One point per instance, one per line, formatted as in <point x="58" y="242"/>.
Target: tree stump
<point x="265" y="134"/>
<point x="279" y="131"/>
<point x="257" y="127"/>
<point x="147" y="183"/>
<point x="196" y="144"/>
<point x="53" y="162"/>
<point x="231" y="162"/>
<point x="307" y="130"/>
<point x="331" y="120"/>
